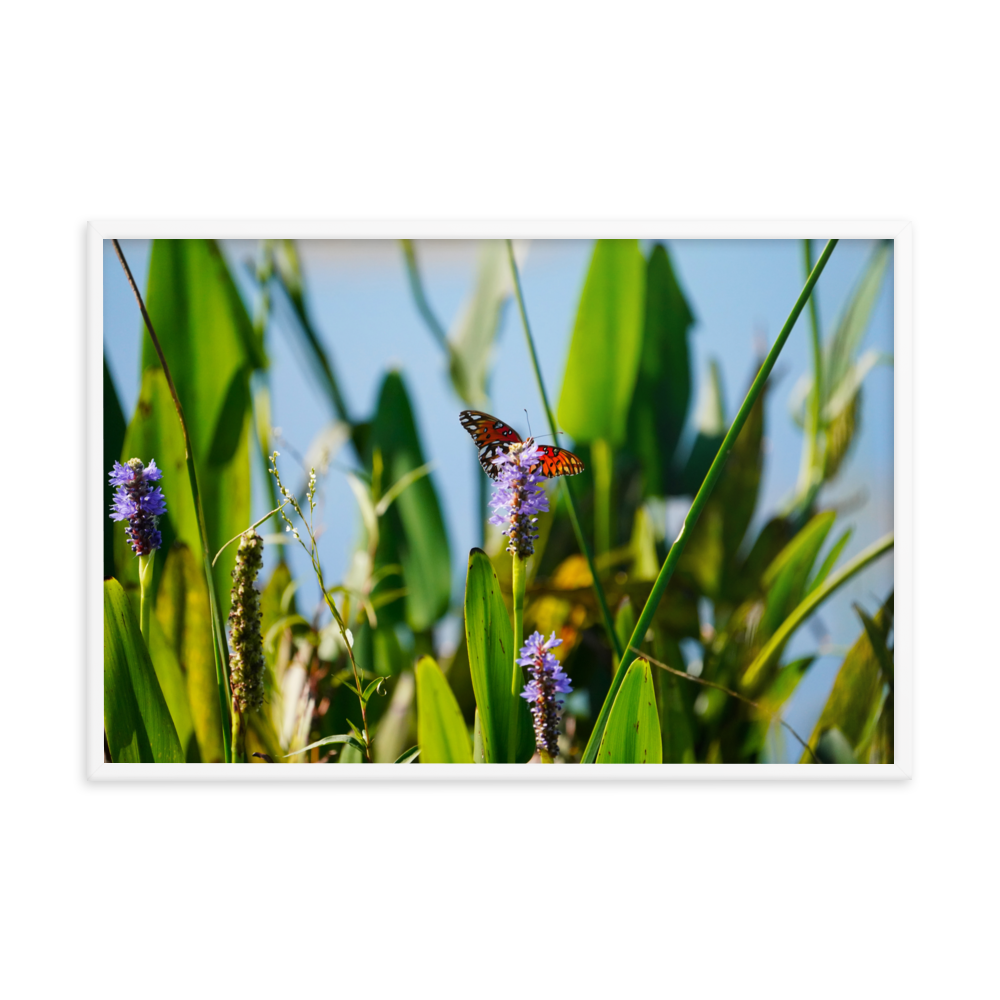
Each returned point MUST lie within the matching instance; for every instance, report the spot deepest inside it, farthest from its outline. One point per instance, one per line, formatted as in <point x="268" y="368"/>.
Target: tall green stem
<point x="517" y="588"/>
<point x="417" y="288"/>
<point x="698" y="504"/>
<point x="602" y="601"/>
<point x="145" y="593"/>
<point x="220" y="647"/>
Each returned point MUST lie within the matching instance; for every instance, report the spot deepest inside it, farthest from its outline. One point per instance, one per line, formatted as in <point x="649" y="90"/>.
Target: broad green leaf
<point x="211" y="348"/>
<point x="632" y="735"/>
<point x="663" y="385"/>
<point x="174" y="687"/>
<point x="183" y="612"/>
<point x="490" y="641"/>
<point x="858" y="691"/>
<point x="606" y="345"/>
<point x="412" y="533"/>
<point x="114" y="438"/>
<point x="137" y="721"/>
<point x="441" y="731"/>
<point x="471" y="337"/>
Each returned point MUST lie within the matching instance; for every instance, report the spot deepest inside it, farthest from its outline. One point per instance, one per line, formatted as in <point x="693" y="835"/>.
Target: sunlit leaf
<point x="606" y="345"/>
<point x="710" y="425"/>
<point x="137" y="722"/>
<point x="632" y="735"/>
<point x="183" y="612"/>
<point x="490" y="641"/>
<point x="441" y="731"/>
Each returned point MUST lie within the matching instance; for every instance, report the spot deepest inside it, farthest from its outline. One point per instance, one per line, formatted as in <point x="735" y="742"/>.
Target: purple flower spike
<point x="138" y="502"/>
<point x="519" y="497"/>
<point x="548" y="679"/>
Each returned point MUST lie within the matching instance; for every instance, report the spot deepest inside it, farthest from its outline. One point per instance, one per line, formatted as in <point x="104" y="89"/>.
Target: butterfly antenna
<point x="526" y="417"/>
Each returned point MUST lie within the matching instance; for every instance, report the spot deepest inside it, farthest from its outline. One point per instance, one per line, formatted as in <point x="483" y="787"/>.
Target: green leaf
<point x="441" y="731"/>
<point x="606" y="345"/>
<point x="490" y="641"/>
<point x="412" y="533"/>
<point x="857" y="697"/>
<point x="114" y="438"/>
<point x="632" y="735"/>
<point x="173" y="685"/>
<point x="347" y="738"/>
<point x="786" y="577"/>
<point x="663" y="384"/>
<point x="211" y="348"/>
<point x="471" y="337"/>
<point x="183" y="611"/>
<point x="769" y="655"/>
<point x="408" y="756"/>
<point x="137" y="721"/>
<point x="830" y="561"/>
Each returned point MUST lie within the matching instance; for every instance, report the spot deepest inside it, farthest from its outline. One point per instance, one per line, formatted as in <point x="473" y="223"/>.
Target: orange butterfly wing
<point x="558" y="462"/>
<point x="492" y="437"/>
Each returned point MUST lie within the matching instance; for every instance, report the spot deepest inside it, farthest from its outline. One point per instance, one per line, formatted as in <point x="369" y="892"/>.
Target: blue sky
<point x="740" y="293"/>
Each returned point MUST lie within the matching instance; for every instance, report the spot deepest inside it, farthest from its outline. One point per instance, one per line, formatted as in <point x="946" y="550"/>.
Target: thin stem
<point x="256" y="524"/>
<point x="602" y="601"/>
<point x="729" y="691"/>
<point x="698" y="504"/>
<point x="419" y="296"/>
<point x="145" y="593"/>
<point x="220" y="646"/>
<point x="777" y="641"/>
<point x="517" y="588"/>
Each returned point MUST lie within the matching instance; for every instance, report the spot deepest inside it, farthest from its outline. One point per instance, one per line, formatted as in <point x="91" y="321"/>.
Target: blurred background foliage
<point x="739" y="629"/>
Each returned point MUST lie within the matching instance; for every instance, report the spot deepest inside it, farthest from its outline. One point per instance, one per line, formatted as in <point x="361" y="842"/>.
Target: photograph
<point x="498" y="501"/>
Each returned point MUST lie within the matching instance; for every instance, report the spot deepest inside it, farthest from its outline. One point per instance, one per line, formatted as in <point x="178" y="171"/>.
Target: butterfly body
<point x="493" y="437"/>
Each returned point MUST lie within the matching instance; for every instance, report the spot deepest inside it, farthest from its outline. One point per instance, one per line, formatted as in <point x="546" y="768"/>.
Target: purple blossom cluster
<point x="548" y="680"/>
<point x="139" y="502"/>
<point x="519" y="497"/>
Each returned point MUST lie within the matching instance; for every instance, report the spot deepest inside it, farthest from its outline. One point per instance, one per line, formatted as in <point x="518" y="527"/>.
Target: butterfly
<point x="493" y="437"/>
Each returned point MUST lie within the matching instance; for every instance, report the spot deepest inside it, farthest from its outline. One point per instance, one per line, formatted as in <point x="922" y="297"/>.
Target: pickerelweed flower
<point x="518" y="497"/>
<point x="246" y="662"/>
<point x="548" y="680"/>
<point x="139" y="502"/>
